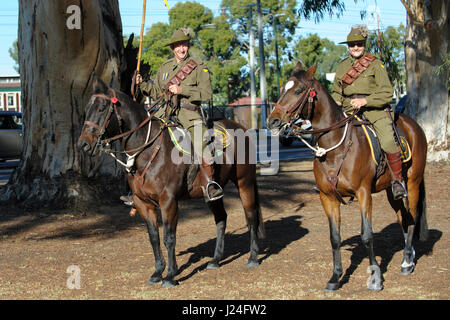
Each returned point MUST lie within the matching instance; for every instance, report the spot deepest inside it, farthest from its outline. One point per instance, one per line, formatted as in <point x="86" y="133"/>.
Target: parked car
<point x="11" y="135"/>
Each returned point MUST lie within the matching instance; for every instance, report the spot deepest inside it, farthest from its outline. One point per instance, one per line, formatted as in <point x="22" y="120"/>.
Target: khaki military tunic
<point x="374" y="84"/>
<point x="195" y="89"/>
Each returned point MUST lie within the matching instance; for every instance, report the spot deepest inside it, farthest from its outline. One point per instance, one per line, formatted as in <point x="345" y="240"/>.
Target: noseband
<point x="296" y="109"/>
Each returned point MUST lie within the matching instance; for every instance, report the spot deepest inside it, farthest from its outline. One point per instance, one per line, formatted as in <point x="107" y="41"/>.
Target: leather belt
<point x="357" y="96"/>
<point x="189" y="106"/>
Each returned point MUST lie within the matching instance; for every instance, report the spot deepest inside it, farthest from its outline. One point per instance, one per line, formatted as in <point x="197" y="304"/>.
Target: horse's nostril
<point x="273" y="123"/>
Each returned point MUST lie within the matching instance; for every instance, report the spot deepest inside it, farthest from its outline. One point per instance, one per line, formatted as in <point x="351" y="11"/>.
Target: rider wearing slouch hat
<point x="194" y="89"/>
<point x="370" y="91"/>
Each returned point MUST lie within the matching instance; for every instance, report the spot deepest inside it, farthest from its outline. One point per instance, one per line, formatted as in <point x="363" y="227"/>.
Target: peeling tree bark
<point x="426" y="48"/>
<point x="57" y="66"/>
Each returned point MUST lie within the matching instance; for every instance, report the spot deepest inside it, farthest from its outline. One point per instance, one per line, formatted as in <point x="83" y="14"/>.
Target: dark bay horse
<point x="158" y="181"/>
<point x="344" y="167"/>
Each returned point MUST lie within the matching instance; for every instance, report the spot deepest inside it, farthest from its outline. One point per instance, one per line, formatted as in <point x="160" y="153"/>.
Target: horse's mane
<point x="136" y="108"/>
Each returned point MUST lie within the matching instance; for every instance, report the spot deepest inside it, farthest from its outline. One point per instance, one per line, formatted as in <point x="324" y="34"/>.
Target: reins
<point x="319" y="152"/>
<point x="104" y="143"/>
<point x="294" y="112"/>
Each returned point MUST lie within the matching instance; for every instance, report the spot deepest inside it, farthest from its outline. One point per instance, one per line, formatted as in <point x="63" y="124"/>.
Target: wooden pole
<point x="141" y="37"/>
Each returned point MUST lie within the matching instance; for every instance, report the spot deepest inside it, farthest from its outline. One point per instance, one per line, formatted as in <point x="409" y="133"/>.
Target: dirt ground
<point x="112" y="253"/>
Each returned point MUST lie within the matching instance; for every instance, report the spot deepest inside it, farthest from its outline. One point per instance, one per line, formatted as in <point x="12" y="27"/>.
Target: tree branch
<point x="412" y="18"/>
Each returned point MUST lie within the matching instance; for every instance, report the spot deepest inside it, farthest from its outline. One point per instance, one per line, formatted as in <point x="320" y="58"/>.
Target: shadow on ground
<point x="280" y="234"/>
<point x="386" y="244"/>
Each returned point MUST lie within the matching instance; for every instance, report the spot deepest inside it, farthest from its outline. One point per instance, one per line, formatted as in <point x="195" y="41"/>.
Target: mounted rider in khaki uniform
<point x="370" y="92"/>
<point x="191" y="91"/>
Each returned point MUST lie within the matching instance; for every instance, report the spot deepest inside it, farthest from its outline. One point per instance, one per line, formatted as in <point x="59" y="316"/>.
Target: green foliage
<point x="445" y="67"/>
<point x="189" y="14"/>
<point x="154" y="50"/>
<point x="389" y="46"/>
<point x="318" y="8"/>
<point x="312" y="50"/>
<point x="14" y="53"/>
<point x="215" y="43"/>
<point x="308" y="50"/>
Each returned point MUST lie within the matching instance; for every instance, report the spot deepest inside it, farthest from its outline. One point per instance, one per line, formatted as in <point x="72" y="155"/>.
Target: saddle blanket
<point x="375" y="147"/>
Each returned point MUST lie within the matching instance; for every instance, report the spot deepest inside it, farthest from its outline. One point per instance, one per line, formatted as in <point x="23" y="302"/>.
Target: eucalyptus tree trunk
<point x="63" y="44"/>
<point x="426" y="50"/>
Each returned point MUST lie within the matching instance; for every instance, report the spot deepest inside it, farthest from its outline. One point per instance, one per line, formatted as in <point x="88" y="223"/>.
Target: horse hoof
<point x="154" y="280"/>
<point x="331" y="287"/>
<point x="407" y="270"/>
<point x="212" y="265"/>
<point x="375" y="287"/>
<point x="252" y="264"/>
<point x="169" y="283"/>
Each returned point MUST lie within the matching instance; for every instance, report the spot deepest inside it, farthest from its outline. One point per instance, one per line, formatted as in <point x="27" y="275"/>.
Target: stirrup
<point x="127" y="200"/>
<point x="399" y="196"/>
<point x="207" y="191"/>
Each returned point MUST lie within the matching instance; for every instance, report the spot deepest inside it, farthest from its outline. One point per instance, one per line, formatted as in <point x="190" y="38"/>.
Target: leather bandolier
<point x="355" y="71"/>
<point x="182" y="74"/>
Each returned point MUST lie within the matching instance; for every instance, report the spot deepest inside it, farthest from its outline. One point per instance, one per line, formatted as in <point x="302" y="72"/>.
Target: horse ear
<point x="297" y="68"/>
<point x="99" y="86"/>
<point x="312" y="71"/>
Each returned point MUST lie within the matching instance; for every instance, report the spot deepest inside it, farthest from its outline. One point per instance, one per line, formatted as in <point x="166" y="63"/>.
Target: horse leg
<point x="248" y="193"/>
<point x="375" y="281"/>
<point x="170" y="219"/>
<point x="407" y="217"/>
<point x="332" y="209"/>
<point x="220" y="216"/>
<point x="150" y="215"/>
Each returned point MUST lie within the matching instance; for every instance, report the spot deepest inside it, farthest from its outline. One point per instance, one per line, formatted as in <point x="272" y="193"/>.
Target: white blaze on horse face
<point x="289" y="85"/>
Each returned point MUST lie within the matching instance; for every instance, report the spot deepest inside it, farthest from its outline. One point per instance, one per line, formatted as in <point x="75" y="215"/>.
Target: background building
<point x="10" y="93"/>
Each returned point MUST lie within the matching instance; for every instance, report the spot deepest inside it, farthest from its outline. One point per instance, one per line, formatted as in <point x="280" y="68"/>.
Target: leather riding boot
<point x="398" y="186"/>
<point x="211" y="189"/>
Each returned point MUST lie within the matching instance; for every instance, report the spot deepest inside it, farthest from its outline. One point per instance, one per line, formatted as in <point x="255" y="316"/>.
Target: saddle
<point x="375" y="148"/>
<point x="181" y="140"/>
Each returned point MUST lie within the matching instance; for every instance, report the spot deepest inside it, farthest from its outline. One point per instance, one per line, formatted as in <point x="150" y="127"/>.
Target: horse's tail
<point x="421" y="228"/>
<point x="261" y="228"/>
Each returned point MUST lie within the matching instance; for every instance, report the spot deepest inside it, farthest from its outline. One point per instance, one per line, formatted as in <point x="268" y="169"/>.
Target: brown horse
<point x="344" y="167"/>
<point x="158" y="181"/>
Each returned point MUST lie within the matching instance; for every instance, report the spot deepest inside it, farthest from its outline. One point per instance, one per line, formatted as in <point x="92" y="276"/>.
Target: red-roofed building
<point x="10" y="93"/>
<point x="242" y="110"/>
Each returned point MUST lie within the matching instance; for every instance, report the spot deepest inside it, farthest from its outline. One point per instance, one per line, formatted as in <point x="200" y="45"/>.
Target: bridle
<point x="294" y="111"/>
<point x="307" y="98"/>
<point x="133" y="153"/>
<point x="112" y="108"/>
<point x="114" y="102"/>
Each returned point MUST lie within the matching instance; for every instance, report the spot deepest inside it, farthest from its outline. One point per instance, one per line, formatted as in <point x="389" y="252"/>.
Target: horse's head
<point x="99" y="112"/>
<point x="293" y="102"/>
